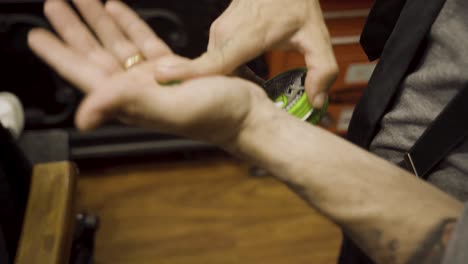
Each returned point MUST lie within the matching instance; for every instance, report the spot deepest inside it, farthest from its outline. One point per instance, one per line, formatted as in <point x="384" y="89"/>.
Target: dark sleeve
<point x="457" y="248"/>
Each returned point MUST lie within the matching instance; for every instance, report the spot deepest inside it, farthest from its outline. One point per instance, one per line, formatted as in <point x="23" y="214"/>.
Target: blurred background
<point x="164" y="199"/>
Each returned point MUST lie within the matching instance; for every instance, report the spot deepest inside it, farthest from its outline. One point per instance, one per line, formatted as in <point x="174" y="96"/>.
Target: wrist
<point x="253" y="128"/>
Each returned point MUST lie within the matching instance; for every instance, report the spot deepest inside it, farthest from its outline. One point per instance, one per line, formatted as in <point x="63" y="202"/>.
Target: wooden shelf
<point x="333" y="5"/>
<point x="208" y="211"/>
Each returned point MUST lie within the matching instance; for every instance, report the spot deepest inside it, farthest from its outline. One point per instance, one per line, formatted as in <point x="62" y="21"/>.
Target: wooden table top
<point x="208" y="210"/>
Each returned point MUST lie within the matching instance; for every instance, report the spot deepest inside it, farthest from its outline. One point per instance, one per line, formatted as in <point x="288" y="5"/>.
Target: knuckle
<point x="214" y="28"/>
<point x="329" y="75"/>
<point x="213" y="62"/>
<point x="133" y="25"/>
<point x="331" y="71"/>
<point x="334" y="71"/>
<point x="218" y="29"/>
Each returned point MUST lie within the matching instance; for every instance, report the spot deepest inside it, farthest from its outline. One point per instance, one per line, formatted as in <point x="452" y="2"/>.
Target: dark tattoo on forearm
<point x="383" y="249"/>
<point x="432" y="249"/>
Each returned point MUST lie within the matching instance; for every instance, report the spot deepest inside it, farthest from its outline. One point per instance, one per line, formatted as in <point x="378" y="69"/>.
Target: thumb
<point x="314" y="43"/>
<point x="99" y="107"/>
<point x="321" y="74"/>
<point x="317" y="83"/>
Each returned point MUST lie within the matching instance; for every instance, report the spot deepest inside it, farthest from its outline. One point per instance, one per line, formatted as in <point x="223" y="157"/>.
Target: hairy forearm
<point x="387" y="211"/>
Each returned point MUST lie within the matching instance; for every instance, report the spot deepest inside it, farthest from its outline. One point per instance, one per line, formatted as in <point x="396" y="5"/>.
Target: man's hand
<point x="248" y="28"/>
<point x="213" y="109"/>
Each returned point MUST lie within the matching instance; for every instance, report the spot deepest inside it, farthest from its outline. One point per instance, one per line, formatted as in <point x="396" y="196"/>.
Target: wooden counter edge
<point x="49" y="219"/>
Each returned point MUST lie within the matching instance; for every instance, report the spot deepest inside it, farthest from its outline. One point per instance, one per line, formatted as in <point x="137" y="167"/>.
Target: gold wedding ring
<point x="133" y="60"/>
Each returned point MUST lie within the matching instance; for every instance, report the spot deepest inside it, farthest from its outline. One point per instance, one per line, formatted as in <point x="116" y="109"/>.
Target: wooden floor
<point x="204" y="211"/>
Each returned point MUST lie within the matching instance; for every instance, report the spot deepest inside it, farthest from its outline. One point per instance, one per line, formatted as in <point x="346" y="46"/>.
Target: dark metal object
<point x="41" y="146"/>
<point x="119" y="141"/>
<point x="82" y="251"/>
<point x="279" y="84"/>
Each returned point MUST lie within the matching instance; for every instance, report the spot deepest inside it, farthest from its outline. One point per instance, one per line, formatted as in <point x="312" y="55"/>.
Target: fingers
<point x="68" y="25"/>
<point x="70" y="65"/>
<point x="226" y="51"/>
<point x="106" y="29"/>
<point x="222" y="59"/>
<point x="76" y="35"/>
<point x="317" y="83"/>
<point x="237" y="36"/>
<point x="321" y="64"/>
<point x="137" y="30"/>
